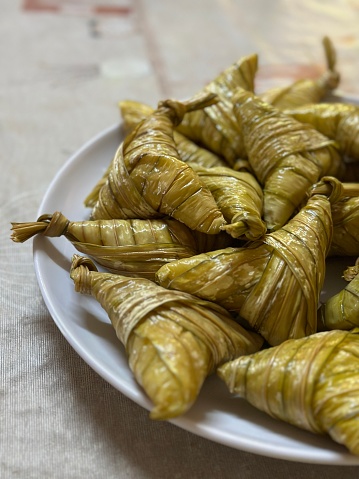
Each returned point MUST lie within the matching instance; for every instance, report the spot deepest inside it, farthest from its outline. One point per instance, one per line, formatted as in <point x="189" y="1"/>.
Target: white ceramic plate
<point x="216" y="415"/>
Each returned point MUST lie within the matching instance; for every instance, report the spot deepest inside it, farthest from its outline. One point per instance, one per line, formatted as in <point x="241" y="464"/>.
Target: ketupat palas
<point x="215" y="127"/>
<point x="345" y="215"/>
<point x="173" y="340"/>
<point x="286" y="156"/>
<point x="130" y="247"/>
<point x="338" y="121"/>
<point x="305" y="91"/>
<point x="274" y="283"/>
<point x="133" y="112"/>
<point x="311" y="383"/>
<point x="341" y="311"/>
<point x="148" y="179"/>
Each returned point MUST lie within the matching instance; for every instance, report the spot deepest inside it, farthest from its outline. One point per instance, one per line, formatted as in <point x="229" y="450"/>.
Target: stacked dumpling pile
<point x="214" y="221"/>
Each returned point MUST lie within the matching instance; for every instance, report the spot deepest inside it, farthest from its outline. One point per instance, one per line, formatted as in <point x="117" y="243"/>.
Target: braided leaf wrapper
<point x="341" y="311"/>
<point x="215" y="127"/>
<point x="345" y="227"/>
<point x="287" y="156"/>
<point x="338" y="121"/>
<point x="148" y="179"/>
<point x="311" y="383"/>
<point x="130" y="247"/>
<point x="344" y="198"/>
<point x="173" y="340"/>
<point x="132" y="112"/>
<point x="307" y="90"/>
<point x="274" y="283"/>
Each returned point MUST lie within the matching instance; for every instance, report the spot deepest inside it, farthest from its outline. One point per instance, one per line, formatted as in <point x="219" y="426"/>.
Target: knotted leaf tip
<point x="177" y="109"/>
<point x="81" y="267"/>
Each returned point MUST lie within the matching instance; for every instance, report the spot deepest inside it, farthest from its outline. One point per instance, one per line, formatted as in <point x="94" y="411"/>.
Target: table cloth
<point x="64" y="65"/>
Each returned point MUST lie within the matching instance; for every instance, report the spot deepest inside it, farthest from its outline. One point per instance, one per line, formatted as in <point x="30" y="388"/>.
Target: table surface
<point x="64" y="66"/>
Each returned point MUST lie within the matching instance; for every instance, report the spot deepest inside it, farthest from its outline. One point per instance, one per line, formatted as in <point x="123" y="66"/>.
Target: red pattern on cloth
<point x="58" y="6"/>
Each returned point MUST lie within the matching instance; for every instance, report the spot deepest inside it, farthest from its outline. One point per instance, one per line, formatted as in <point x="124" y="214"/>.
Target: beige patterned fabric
<point x="64" y="65"/>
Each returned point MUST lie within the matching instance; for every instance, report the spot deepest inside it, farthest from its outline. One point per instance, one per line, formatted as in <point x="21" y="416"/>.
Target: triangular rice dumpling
<point x="274" y="283"/>
<point x="338" y="121"/>
<point x="173" y="340"/>
<point x="215" y="127"/>
<point x="311" y="383"/>
<point x="133" y="112"/>
<point x="341" y="311"/>
<point x="287" y="156"/>
<point x="148" y="179"/>
<point x="130" y="247"/>
<point x="307" y="90"/>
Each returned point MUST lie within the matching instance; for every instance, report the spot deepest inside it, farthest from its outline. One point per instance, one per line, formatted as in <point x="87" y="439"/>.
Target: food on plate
<point x="273" y="283"/>
<point x="311" y="383"/>
<point x="133" y="112"/>
<point x="131" y="247"/>
<point x="239" y="197"/>
<point x="149" y="180"/>
<point x="215" y="127"/>
<point x="307" y="90"/>
<point x="338" y="121"/>
<point x="341" y="311"/>
<point x="345" y="215"/>
<point x="173" y="340"/>
<point x="286" y="156"/>
<point x="212" y="226"/>
<point x="345" y="241"/>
